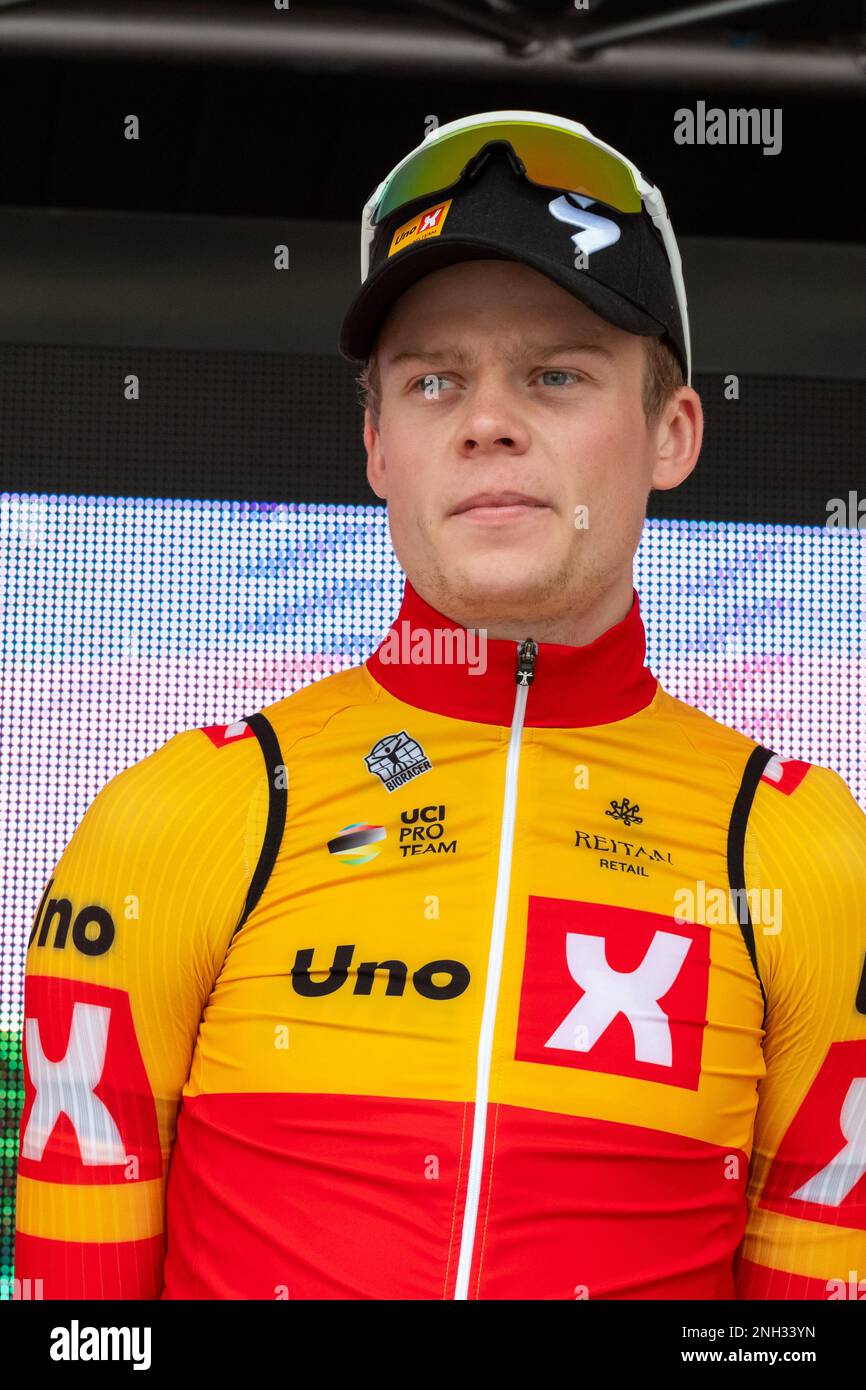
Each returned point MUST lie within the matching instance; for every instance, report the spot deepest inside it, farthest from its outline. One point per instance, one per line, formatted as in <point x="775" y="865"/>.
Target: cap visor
<point x="384" y="287"/>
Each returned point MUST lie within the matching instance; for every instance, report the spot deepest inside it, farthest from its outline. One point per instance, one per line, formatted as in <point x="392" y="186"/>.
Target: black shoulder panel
<point x="758" y="759"/>
<point x="277" y="801"/>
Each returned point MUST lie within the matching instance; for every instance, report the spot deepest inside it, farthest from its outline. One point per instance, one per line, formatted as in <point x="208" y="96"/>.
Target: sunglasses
<point x="554" y="153"/>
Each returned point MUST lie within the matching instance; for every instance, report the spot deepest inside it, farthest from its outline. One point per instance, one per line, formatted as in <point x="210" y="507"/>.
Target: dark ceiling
<point x="248" y="110"/>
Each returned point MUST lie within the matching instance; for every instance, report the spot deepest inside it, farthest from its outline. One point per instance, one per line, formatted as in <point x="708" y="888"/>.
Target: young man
<point x="503" y="974"/>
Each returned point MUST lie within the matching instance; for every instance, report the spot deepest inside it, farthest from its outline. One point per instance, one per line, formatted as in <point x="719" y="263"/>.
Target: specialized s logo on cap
<point x="423" y="225"/>
<point x="596" y="232"/>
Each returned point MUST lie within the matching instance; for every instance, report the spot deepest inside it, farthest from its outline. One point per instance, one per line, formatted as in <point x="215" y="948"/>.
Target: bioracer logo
<point x="396" y="759"/>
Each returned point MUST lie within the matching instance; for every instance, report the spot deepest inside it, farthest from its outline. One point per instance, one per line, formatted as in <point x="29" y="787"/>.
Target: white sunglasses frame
<point x="651" y="197"/>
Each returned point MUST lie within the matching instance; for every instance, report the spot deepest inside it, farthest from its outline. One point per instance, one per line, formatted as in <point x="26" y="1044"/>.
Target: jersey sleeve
<point x="805" y="861"/>
<point x="128" y="938"/>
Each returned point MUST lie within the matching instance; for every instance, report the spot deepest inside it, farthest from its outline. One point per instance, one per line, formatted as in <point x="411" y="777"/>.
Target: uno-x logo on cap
<point x="423" y="225"/>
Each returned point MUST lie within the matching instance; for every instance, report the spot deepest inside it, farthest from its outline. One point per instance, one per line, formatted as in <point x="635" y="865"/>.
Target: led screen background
<point x="129" y="619"/>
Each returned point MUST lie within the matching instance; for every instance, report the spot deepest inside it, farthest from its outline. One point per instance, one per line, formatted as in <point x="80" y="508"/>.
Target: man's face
<point x="498" y="387"/>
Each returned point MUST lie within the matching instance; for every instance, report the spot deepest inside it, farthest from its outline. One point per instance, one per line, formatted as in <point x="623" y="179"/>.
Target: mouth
<point x="499" y="507"/>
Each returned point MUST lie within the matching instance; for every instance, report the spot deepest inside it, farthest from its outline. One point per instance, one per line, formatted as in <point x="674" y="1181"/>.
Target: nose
<point x="491" y="423"/>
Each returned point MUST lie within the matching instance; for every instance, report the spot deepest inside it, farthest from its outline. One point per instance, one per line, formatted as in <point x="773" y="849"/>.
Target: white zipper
<point x="526" y="654"/>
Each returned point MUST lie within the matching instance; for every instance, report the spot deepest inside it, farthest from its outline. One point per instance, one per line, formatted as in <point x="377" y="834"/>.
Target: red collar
<point x="573" y="687"/>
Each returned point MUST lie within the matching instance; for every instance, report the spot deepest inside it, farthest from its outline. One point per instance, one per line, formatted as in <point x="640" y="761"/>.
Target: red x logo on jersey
<point x="819" y="1172"/>
<point x="89" y="1114"/>
<point x="613" y="989"/>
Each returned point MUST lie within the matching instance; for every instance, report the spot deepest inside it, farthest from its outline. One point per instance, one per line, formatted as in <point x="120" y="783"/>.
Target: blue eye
<point x="559" y="371"/>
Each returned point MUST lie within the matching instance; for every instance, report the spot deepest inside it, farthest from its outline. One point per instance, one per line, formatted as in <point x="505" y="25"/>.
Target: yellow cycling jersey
<point x="481" y="970"/>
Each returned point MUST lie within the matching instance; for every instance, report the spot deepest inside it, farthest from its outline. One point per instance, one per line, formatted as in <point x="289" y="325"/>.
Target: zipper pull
<point x="527" y="651"/>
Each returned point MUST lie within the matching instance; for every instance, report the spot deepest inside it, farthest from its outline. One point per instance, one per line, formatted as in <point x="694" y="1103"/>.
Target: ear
<point x="679" y="432"/>
<point x="375" y="457"/>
